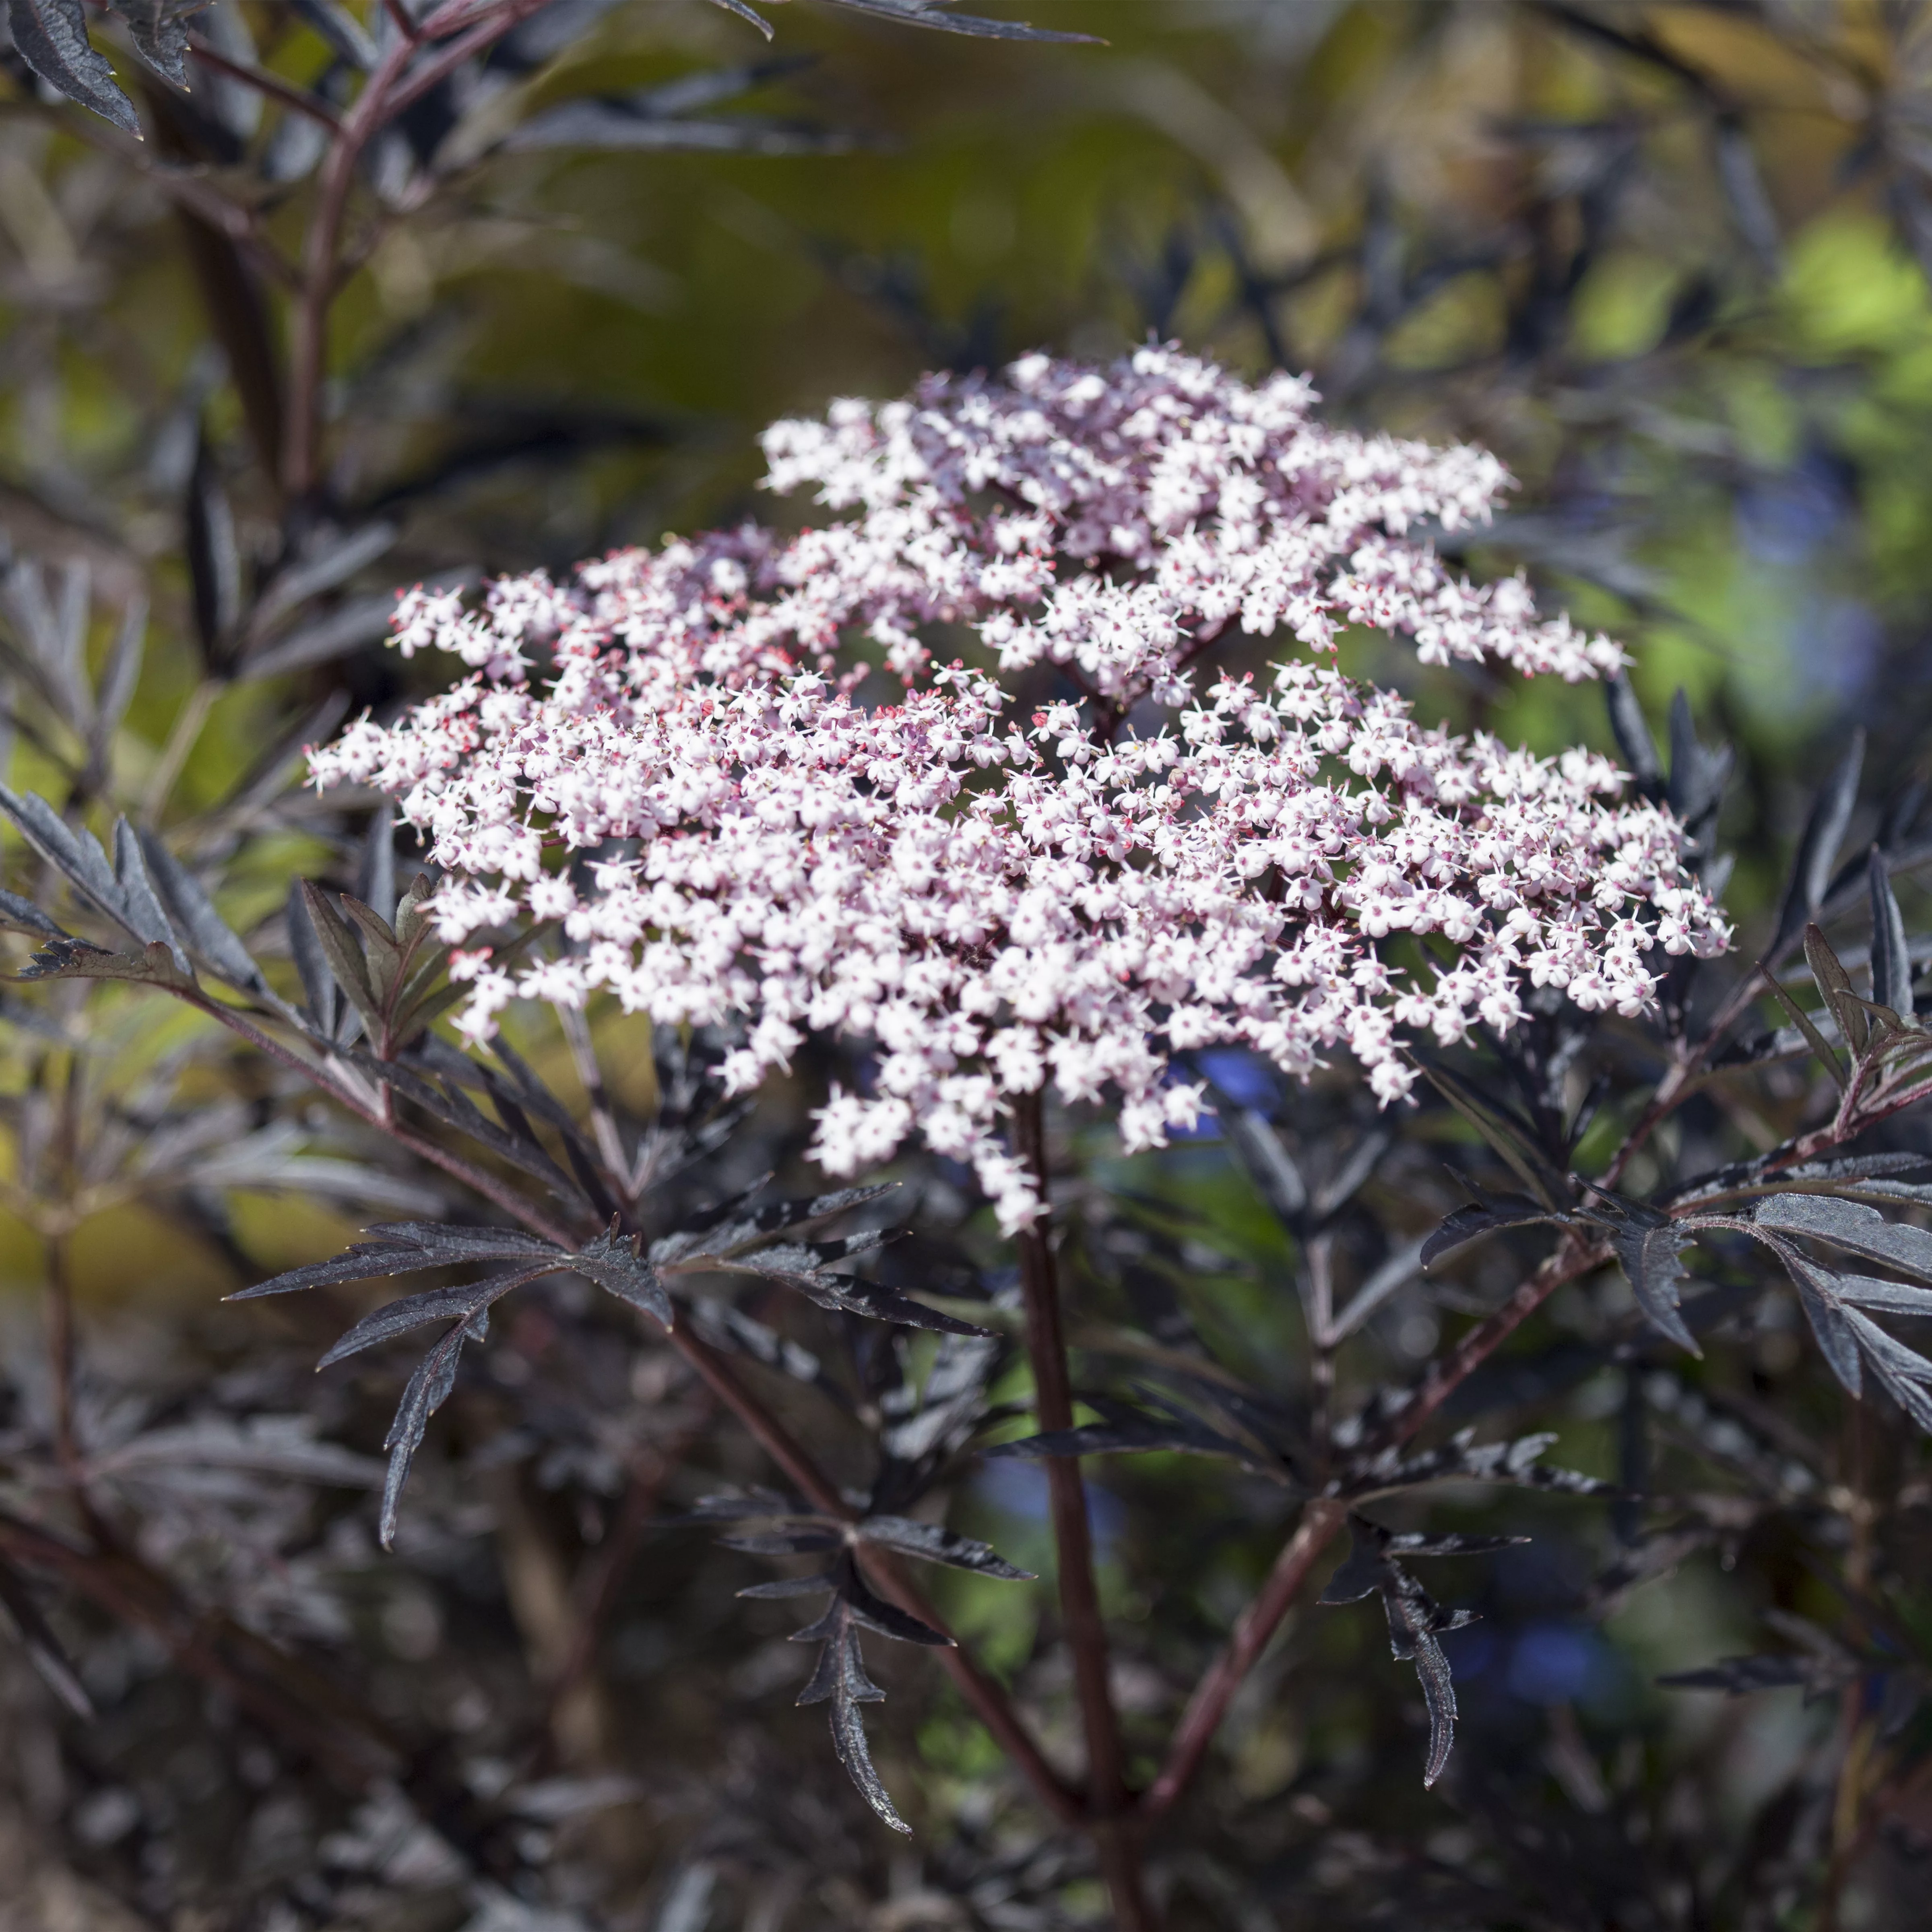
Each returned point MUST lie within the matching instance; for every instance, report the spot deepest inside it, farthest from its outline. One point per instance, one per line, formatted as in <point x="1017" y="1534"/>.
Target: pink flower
<point x="995" y="901"/>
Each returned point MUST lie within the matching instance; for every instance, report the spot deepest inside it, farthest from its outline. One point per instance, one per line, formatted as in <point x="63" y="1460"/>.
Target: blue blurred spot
<point x="1835" y="645"/>
<point x="1784" y="519"/>
<point x="1019" y="1488"/>
<point x="1471" y="1650"/>
<point x="1559" y="1663"/>
<point x="1244" y="1078"/>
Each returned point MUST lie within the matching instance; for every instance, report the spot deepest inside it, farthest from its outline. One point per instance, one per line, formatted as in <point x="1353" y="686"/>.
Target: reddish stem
<point x="987" y="1697"/>
<point x="298" y="100"/>
<point x="1256" y="1625"/>
<point x="1053" y="1406"/>
<point x="1324" y="1516"/>
<point x="385" y="95"/>
<point x="1108" y="1801"/>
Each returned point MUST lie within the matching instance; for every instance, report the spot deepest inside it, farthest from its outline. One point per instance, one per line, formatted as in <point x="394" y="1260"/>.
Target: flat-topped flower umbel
<point x="1173" y="859"/>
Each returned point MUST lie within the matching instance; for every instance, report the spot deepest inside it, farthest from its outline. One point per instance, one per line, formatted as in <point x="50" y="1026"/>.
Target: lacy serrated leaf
<point x="416" y="1311"/>
<point x="26" y="916"/>
<point x="407" y="1247"/>
<point x="1360" y="1574"/>
<point x="75" y="959"/>
<point x="1456" y="1542"/>
<point x="732" y="1225"/>
<point x="840" y="1680"/>
<point x="1462" y="1459"/>
<point x="816" y="1584"/>
<point x="427" y="1390"/>
<point x="1414" y="1619"/>
<point x="1904" y="1374"/>
<point x="848" y="1293"/>
<point x="1888" y="1298"/>
<point x="141" y="910"/>
<point x="1483" y="1216"/>
<point x="1818" y="1296"/>
<point x="1854" y="1226"/>
<point x="934" y="1543"/>
<point x="76" y="854"/>
<point x="1647" y="1246"/>
<point x="1850" y="1167"/>
<point x="160" y="34"/>
<point x="449" y="1104"/>
<point x="613" y="1262"/>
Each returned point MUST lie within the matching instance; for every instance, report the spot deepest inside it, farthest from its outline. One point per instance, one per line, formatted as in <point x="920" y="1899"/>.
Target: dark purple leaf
<point x="414" y="1311"/>
<point x="936" y="1544"/>
<point x="1854" y="1226"/>
<point x="427" y="1390"/>
<point x="43" y="1648"/>
<point x="1481" y="1217"/>
<point x="1890" y="956"/>
<point x="1648" y="1250"/>
<point x="26" y="917"/>
<point x="405" y="1247"/>
<point x="193" y="915"/>
<point x="611" y="1260"/>
<point x="159" y="32"/>
<point x="51" y="37"/>
<point x="1825" y="829"/>
<point x="1632" y="732"/>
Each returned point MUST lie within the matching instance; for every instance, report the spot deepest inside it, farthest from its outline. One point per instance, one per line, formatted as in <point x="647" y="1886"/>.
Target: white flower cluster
<point x="1142" y="869"/>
